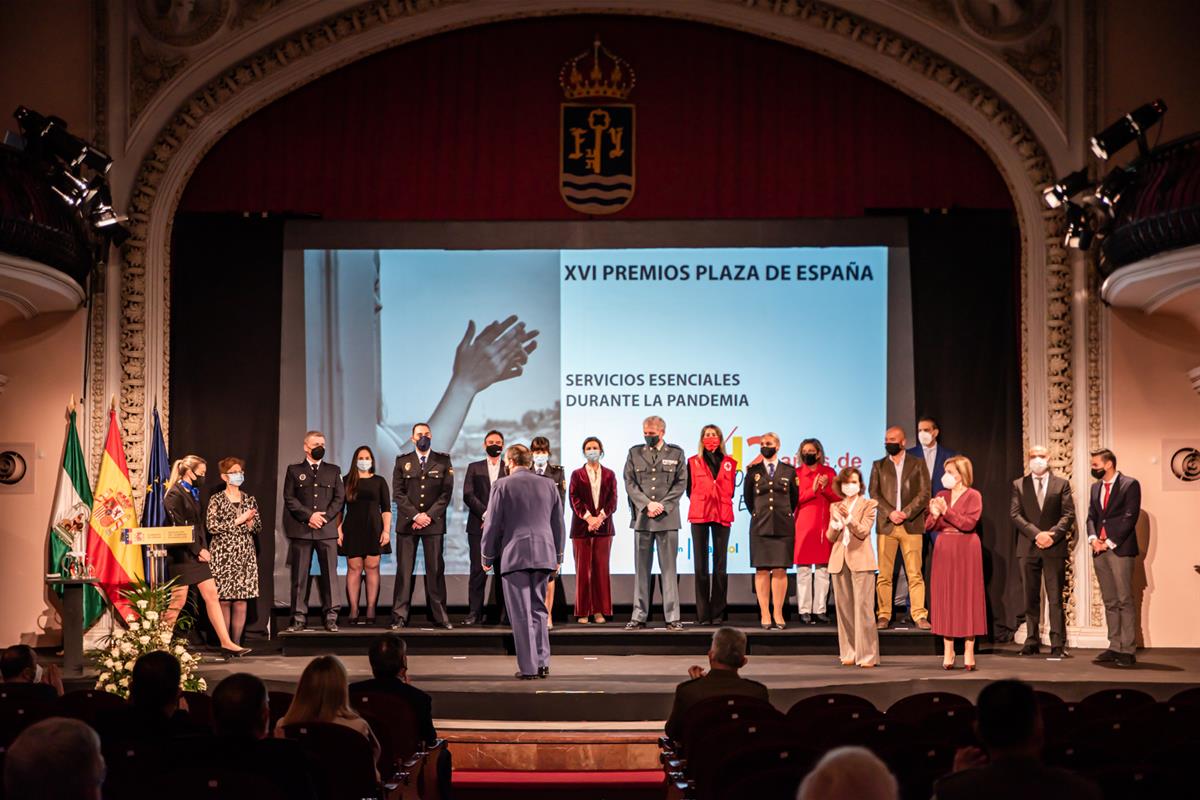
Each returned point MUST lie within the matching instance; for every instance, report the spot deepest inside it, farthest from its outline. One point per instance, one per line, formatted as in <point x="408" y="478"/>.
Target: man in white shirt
<point x="477" y="487"/>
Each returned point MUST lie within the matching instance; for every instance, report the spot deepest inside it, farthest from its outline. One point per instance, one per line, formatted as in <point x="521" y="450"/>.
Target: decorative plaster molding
<point x="147" y="73"/>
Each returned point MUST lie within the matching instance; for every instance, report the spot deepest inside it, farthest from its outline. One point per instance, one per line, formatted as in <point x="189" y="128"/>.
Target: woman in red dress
<point x="710" y="484"/>
<point x="815" y="480"/>
<point x="956" y="579"/>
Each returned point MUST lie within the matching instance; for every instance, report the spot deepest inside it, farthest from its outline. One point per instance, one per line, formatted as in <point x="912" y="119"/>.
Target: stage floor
<point x="634" y="692"/>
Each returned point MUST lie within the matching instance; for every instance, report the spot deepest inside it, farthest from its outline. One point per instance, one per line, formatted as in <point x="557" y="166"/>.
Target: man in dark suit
<point x="1113" y="512"/>
<point x="900" y="484"/>
<point x="477" y="487"/>
<point x="539" y="446"/>
<point x="726" y="656"/>
<point x="523" y="533"/>
<point x="1009" y="726"/>
<point x="389" y="666"/>
<point x="313" y="496"/>
<point x="421" y="487"/>
<point x="25" y="678"/>
<point x="1043" y="511"/>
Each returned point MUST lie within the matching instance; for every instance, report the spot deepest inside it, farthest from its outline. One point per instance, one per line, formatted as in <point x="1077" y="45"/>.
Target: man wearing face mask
<point x="540" y="448"/>
<point x="422" y="483"/>
<point x="313" y="495"/>
<point x="1043" y="512"/>
<point x="901" y="486"/>
<point x="655" y="479"/>
<point x="929" y="448"/>
<point x="1113" y="511"/>
<point x="477" y="487"/>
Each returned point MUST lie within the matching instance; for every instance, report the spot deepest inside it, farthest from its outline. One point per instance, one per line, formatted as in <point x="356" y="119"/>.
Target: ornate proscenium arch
<point x="301" y="56"/>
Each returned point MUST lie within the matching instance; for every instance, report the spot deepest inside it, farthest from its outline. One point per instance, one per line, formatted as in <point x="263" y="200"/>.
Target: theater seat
<point x="821" y="702"/>
<point x="87" y="705"/>
<point x="1111" y="703"/>
<point x="214" y="783"/>
<point x="279" y="703"/>
<point x="914" y="708"/>
<point x="341" y="760"/>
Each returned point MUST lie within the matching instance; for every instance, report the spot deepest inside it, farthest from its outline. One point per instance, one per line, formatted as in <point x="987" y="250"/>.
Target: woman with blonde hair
<point x="956" y="579"/>
<point x="323" y="695"/>
<point x="188" y="564"/>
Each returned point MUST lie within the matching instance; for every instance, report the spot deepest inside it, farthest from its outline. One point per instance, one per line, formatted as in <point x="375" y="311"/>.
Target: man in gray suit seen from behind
<point x="524" y="530"/>
<point x="655" y="479"/>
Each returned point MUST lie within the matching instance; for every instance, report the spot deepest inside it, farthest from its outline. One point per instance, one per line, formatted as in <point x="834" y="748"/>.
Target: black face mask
<point x="768" y="452"/>
<point x="494" y="450"/>
<point x="423" y="442"/>
<point x="318" y="453"/>
<point x="808" y="458"/>
<point x="892" y="448"/>
<point x="1098" y="473"/>
<point x="651" y="440"/>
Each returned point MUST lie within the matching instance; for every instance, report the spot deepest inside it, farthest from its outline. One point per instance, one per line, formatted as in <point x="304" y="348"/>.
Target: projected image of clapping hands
<point x="498" y="353"/>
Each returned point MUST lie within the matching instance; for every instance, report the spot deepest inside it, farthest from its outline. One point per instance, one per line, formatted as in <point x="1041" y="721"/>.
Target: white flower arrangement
<point x="146" y="633"/>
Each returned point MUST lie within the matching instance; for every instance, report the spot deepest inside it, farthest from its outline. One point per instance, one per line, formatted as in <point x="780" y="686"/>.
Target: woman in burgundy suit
<point x="956" y="579"/>
<point x="710" y="483"/>
<point x="593" y="498"/>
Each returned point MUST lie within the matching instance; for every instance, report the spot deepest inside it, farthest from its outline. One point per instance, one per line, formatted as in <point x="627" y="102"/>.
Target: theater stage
<point x="604" y="709"/>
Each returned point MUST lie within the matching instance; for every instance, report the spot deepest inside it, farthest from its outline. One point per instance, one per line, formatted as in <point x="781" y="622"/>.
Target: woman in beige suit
<point x="852" y="568"/>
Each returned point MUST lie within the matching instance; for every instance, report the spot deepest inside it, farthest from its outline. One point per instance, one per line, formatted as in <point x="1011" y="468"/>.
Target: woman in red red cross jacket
<point x="711" y="477"/>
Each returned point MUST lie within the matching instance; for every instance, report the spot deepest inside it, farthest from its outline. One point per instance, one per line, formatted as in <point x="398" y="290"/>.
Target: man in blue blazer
<point x="524" y="531"/>
<point x="934" y="455"/>
<point x="1116" y="504"/>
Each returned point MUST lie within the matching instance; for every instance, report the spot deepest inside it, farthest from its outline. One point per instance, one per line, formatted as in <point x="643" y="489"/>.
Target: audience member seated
<point x="55" y="759"/>
<point x="725" y="657"/>
<point x="156" y="710"/>
<point x="25" y="678"/>
<point x="323" y="695"/>
<point x="1009" y="725"/>
<point x="241" y="715"/>
<point x="849" y="773"/>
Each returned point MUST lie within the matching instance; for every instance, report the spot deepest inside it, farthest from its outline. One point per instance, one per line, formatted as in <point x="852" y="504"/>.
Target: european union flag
<point x="158" y="470"/>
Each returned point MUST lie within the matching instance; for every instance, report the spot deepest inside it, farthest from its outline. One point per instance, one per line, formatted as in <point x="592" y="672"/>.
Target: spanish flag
<point x="114" y="563"/>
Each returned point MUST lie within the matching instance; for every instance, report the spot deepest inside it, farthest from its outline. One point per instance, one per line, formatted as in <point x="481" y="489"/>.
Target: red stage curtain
<point x="465" y="126"/>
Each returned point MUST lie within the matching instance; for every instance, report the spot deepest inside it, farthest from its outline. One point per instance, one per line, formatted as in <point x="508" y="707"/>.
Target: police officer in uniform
<point x="540" y="447"/>
<point x="771" y="494"/>
<point x="313" y="496"/>
<point x="655" y="479"/>
<point x="421" y="486"/>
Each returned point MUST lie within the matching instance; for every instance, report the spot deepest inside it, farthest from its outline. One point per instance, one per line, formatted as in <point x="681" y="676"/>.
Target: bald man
<point x="900" y="484"/>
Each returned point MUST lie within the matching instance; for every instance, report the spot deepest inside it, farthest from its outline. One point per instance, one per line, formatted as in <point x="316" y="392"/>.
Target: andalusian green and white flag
<point x="70" y="518"/>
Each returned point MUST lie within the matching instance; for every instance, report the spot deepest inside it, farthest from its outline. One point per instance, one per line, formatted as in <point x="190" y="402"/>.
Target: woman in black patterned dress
<point x="233" y="528"/>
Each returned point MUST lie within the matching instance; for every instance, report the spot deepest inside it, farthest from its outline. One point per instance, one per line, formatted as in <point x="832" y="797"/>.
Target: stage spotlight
<point x="1109" y="192"/>
<point x="1129" y="128"/>
<point x="49" y="136"/>
<point x="74" y="191"/>
<point x="1065" y="188"/>
<point x="1079" y="232"/>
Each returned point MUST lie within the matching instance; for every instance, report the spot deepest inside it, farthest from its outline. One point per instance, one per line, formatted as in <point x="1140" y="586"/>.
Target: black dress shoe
<point x="822" y="619"/>
<point x="1125" y="660"/>
<point x="1031" y="649"/>
<point x="398" y="624"/>
<point x="225" y="651"/>
<point x="1106" y="657"/>
<point x="806" y="619"/>
<point x="331" y="625"/>
<point x="1058" y="652"/>
<point x="296" y="626"/>
<point x="543" y="672"/>
<point x="471" y="620"/>
<point x="446" y="626"/>
<point x="634" y="625"/>
<point x="521" y="676"/>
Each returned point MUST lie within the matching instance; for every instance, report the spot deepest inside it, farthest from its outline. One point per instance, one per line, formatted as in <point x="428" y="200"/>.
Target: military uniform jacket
<point x="559" y="475"/>
<point x="417" y="491"/>
<point x="660" y="475"/>
<point x="772" y="502"/>
<point x="307" y="490"/>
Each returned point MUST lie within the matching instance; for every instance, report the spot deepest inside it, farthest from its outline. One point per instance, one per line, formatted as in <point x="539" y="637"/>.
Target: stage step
<point x="613" y="639"/>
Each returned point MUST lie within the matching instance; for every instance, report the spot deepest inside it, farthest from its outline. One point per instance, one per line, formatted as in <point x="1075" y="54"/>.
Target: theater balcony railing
<point x="45" y="252"/>
<point x="1150" y="259"/>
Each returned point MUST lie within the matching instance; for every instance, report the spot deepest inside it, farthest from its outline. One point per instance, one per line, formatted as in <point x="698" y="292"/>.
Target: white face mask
<point x="949" y="480"/>
<point x="364" y="464"/>
<point x="925" y="438"/>
<point x="851" y="489"/>
<point x="541" y="459"/>
<point x="1038" y="465"/>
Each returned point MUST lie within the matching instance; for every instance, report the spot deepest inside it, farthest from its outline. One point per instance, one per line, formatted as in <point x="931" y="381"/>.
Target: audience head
<point x="322" y="695"/>
<point x="154" y="684"/>
<point x="241" y="706"/>
<point x="927" y="431"/>
<point x="55" y="759"/>
<point x="849" y="773"/>
<point x="849" y="476"/>
<point x="958" y="470"/>
<point x="1008" y="719"/>
<point x="1039" y="459"/>
<point x="389" y="657"/>
<point x="18" y="664"/>
<point x="1104" y="464"/>
<point x="518" y="455"/>
<point x="728" y="650"/>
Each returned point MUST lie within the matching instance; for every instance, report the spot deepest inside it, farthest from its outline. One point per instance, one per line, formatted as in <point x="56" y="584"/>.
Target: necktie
<point x="1104" y="505"/>
<point x="771" y="471"/>
<point x="1041" y="491"/>
<point x="423" y="463"/>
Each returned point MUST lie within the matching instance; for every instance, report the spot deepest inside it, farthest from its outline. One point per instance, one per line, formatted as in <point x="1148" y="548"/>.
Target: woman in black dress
<point x="363" y="533"/>
<point x="189" y="563"/>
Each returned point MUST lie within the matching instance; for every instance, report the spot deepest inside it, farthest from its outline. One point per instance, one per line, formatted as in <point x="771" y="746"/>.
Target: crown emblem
<point x="610" y="76"/>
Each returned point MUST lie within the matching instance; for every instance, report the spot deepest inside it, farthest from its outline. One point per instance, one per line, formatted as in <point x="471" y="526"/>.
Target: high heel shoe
<point x="229" y="653"/>
<point x="947" y="666"/>
<point x="766" y="626"/>
<point x="969" y="667"/>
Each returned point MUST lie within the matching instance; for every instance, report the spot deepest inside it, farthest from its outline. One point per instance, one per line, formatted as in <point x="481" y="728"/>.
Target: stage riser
<point x="549" y="752"/>
<point x="613" y="642"/>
